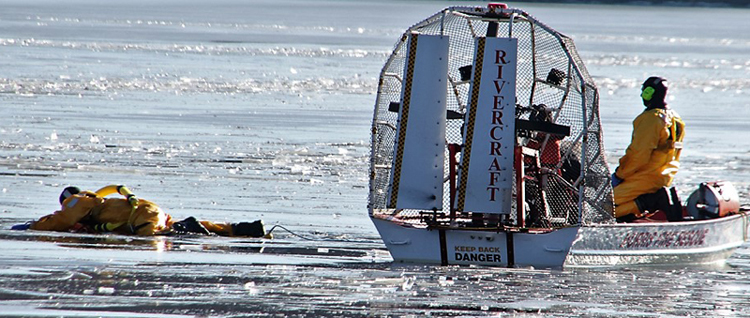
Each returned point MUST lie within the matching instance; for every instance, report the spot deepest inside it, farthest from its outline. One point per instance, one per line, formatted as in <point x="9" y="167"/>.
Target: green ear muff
<point x="648" y="93"/>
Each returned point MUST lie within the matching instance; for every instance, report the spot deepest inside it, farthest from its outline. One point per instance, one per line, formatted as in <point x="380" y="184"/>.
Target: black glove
<point x="190" y="225"/>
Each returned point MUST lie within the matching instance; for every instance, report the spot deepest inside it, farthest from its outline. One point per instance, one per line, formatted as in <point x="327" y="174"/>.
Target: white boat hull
<point x="697" y="242"/>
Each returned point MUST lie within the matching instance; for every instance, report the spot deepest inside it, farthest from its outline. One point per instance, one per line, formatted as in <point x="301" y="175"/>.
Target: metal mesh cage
<point x="571" y="184"/>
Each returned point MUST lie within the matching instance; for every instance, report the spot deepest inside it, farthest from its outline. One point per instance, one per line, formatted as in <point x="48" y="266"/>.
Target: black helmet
<point x="67" y="192"/>
<point x="654" y="92"/>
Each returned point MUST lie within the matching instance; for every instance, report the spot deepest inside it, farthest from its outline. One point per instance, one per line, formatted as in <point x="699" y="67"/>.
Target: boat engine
<point x="713" y="200"/>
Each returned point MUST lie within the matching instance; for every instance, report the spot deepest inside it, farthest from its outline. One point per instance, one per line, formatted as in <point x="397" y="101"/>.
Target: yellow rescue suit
<point x="124" y="216"/>
<point x="652" y="159"/>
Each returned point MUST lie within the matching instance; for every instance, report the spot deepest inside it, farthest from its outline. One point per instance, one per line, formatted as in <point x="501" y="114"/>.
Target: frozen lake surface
<point x="235" y="111"/>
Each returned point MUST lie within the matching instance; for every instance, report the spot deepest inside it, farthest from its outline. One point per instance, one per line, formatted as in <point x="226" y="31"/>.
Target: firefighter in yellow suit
<point x="653" y="156"/>
<point x="92" y="212"/>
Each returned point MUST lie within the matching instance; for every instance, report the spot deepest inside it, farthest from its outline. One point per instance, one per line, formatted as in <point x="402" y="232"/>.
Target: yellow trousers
<point x="627" y="191"/>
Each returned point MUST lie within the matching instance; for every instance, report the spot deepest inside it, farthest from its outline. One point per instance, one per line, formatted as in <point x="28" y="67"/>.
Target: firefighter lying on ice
<point x="652" y="159"/>
<point x="86" y="211"/>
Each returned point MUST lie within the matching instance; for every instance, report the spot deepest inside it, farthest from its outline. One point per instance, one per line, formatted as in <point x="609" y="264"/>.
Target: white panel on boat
<point x="419" y="154"/>
<point x="485" y="180"/>
<point x="475" y="248"/>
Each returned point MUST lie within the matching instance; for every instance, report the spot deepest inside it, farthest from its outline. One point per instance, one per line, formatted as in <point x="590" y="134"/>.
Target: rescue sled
<point x="487" y="149"/>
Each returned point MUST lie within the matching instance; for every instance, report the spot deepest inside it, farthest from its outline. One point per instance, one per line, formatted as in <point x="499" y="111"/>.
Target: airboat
<point x="487" y="150"/>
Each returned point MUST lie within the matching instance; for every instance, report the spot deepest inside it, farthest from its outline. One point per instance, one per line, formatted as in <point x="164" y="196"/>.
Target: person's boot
<point x="251" y="229"/>
<point x="675" y="210"/>
<point x="190" y="225"/>
<point x="652" y="202"/>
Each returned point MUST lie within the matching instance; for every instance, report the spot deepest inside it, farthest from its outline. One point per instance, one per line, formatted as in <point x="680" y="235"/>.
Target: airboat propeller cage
<point x="466" y="76"/>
